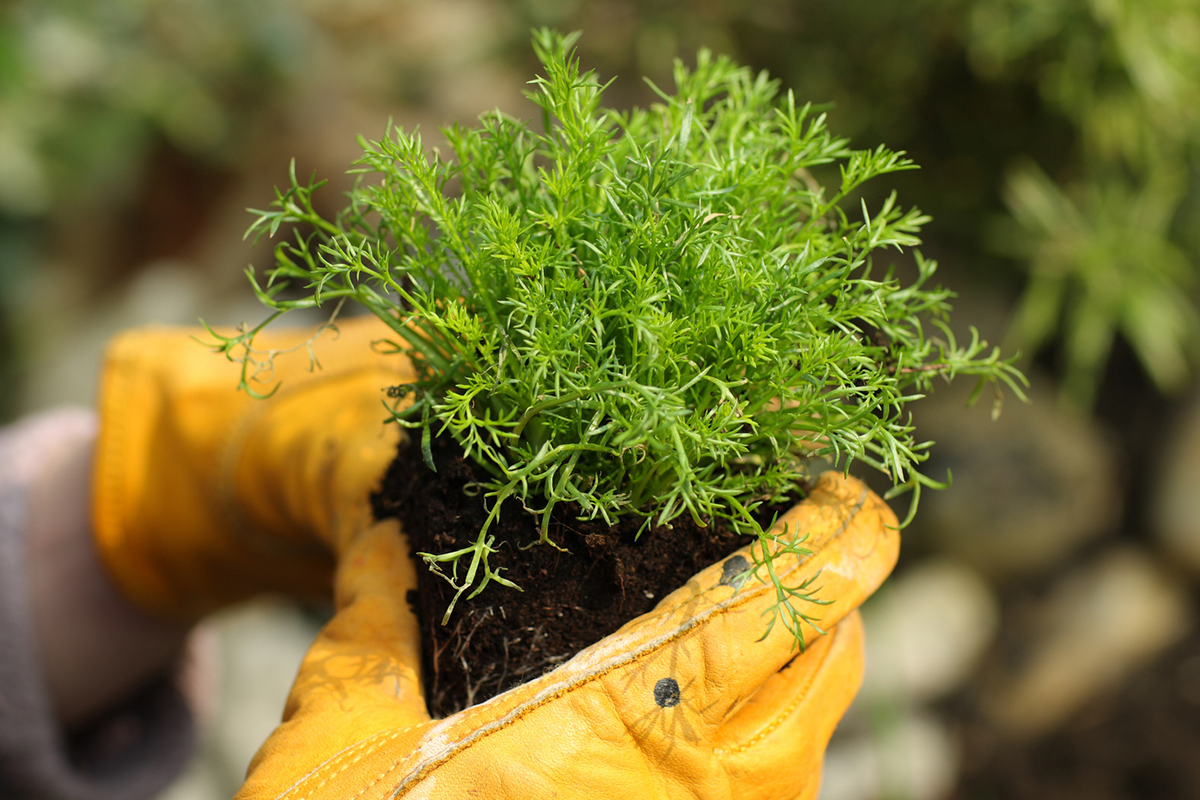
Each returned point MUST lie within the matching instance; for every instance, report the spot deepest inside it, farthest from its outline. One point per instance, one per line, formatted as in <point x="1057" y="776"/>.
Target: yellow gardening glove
<point x="204" y="495"/>
<point x="684" y="701"/>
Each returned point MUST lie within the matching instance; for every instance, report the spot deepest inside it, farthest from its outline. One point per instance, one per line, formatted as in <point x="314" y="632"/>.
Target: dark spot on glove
<point x="733" y="572"/>
<point x="666" y="693"/>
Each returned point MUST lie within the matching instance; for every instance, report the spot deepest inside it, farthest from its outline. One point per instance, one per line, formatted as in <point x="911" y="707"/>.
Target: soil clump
<point x="602" y="578"/>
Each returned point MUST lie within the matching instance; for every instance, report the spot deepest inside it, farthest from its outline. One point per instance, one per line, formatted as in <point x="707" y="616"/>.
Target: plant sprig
<point x="654" y="312"/>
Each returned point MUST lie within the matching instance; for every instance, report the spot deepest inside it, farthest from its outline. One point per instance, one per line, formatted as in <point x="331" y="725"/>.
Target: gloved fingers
<point x="605" y="732"/>
<point x="773" y="744"/>
<point x="371" y="649"/>
<point x="361" y="678"/>
<point x="167" y="484"/>
<point x="854" y="541"/>
<point x="305" y="461"/>
<point x="641" y="713"/>
<point x="703" y="649"/>
<point x="666" y="682"/>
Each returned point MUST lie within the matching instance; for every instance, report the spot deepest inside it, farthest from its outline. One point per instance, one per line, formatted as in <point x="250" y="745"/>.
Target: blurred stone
<point x="66" y="361"/>
<point x="449" y="33"/>
<point x="475" y="89"/>
<point x="1028" y="488"/>
<point x="1098" y="625"/>
<point x="67" y="356"/>
<point x="1177" y="503"/>
<point x="925" y="631"/>
<point x="258" y="647"/>
<point x="912" y="756"/>
<point x="198" y="782"/>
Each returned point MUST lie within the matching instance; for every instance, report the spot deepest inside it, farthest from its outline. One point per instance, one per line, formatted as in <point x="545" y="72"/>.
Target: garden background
<point x="1039" y="637"/>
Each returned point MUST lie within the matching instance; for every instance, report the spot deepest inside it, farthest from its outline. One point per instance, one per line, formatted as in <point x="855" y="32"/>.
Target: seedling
<point x="653" y="312"/>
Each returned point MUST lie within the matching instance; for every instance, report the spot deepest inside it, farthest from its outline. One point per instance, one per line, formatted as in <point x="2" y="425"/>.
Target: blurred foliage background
<point x="1058" y="141"/>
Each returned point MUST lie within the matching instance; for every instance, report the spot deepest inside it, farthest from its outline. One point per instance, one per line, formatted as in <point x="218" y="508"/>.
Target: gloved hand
<point x="681" y="702"/>
<point x="204" y="496"/>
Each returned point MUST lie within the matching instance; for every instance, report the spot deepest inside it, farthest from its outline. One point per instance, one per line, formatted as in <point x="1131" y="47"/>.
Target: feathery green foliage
<point x="655" y="312"/>
<point x="1110" y="240"/>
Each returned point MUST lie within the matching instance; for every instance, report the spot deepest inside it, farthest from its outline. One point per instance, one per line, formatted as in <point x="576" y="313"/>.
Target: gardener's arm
<point x="88" y="705"/>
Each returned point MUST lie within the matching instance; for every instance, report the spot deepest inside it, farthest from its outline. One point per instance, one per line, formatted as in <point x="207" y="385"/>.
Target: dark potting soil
<point x="571" y="597"/>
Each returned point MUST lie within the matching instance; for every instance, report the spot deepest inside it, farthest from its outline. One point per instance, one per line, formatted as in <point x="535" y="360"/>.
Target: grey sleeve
<point x="130" y="754"/>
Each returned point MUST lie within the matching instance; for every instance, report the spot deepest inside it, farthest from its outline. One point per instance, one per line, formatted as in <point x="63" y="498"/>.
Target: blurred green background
<point x="1038" y="639"/>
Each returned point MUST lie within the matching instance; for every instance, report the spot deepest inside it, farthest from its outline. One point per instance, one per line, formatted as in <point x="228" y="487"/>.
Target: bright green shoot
<point x="656" y="312"/>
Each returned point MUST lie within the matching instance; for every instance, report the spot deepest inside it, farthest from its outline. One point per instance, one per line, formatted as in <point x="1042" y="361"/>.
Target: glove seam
<point x="109" y="483"/>
<point x="367" y="746"/>
<point x="782" y="715"/>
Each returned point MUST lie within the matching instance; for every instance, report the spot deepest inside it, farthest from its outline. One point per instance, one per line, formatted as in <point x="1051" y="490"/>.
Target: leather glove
<point x="204" y="496"/>
<point x="684" y="701"/>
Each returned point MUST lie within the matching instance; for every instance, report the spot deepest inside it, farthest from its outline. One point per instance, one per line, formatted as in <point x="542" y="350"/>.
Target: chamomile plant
<point x="655" y="312"/>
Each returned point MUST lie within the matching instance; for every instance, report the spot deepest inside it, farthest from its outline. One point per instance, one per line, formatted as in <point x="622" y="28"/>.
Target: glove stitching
<point x="367" y="746"/>
<point x="551" y="693"/>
